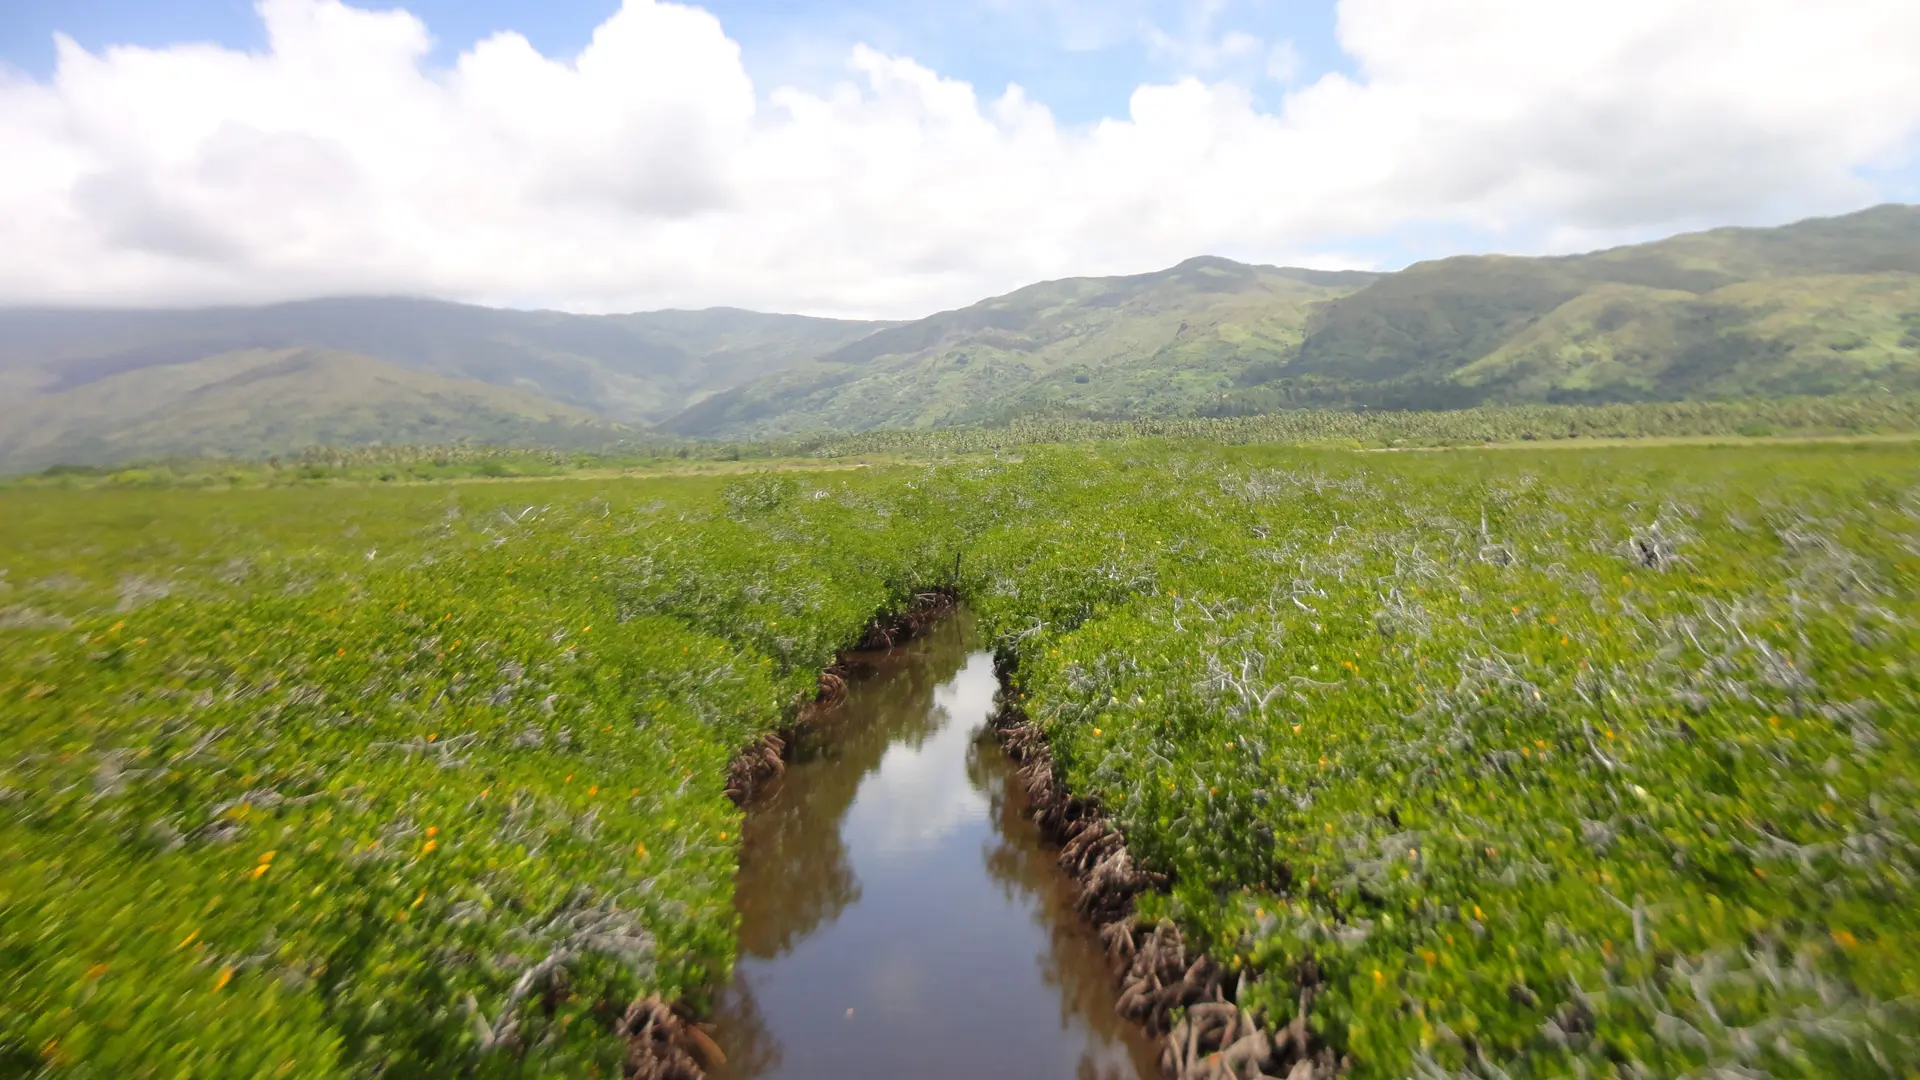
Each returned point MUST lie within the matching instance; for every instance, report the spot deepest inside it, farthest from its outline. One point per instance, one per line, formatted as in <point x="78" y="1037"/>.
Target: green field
<point x="1598" y="762"/>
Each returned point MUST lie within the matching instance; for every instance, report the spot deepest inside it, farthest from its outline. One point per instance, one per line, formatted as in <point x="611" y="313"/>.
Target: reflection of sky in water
<point x="937" y="969"/>
<point x="917" y="797"/>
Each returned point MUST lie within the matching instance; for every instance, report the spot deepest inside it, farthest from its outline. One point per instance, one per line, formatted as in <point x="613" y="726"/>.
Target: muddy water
<point x="899" y="915"/>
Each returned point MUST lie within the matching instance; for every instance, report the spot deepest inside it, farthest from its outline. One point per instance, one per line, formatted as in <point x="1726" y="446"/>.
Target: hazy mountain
<point x="631" y="368"/>
<point x="263" y="401"/>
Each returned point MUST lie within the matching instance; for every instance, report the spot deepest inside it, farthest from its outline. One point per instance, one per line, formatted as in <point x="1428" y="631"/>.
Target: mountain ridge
<point x="631" y="368"/>
<point x="1822" y="306"/>
<point x="1443" y="333"/>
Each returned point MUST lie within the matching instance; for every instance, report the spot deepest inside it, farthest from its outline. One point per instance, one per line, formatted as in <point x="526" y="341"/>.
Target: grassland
<point x="1592" y="763"/>
<point x="1892" y="416"/>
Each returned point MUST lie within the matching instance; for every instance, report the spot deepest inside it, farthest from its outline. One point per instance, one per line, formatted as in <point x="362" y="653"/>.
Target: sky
<point x="891" y="158"/>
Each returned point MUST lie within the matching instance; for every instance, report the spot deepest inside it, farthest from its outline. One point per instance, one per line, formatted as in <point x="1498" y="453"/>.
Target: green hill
<point x="1826" y="306"/>
<point x="1159" y="344"/>
<point x="1726" y="313"/>
<point x="264" y="401"/>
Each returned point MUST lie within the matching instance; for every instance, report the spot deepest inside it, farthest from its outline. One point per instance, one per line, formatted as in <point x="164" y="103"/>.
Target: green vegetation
<point x="410" y="781"/>
<point x="1891" y="415"/>
<point x="1573" y="764"/>
<point x="1597" y="762"/>
<point x="1894" y="416"/>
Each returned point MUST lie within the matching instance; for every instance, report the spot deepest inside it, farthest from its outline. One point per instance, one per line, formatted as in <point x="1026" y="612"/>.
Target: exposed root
<point x="664" y="1043"/>
<point x="1158" y="974"/>
<point x="754" y="765"/>
<point x="886" y="631"/>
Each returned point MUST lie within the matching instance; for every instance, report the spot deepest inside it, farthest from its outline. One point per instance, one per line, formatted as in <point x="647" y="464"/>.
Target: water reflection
<point x="898" y="914"/>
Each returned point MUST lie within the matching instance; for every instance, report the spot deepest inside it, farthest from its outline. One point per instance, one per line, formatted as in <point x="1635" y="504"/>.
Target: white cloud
<point x="921" y="795"/>
<point x="650" y="171"/>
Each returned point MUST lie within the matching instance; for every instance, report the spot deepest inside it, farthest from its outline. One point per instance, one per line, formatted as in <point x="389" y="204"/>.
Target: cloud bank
<point x="650" y="171"/>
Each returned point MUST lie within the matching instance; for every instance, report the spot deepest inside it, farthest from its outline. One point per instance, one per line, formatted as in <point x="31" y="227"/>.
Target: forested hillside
<point x="1823" y="307"/>
<point x="1826" y="306"/>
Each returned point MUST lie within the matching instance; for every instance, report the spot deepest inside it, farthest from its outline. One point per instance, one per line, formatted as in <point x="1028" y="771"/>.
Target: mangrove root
<point x="1164" y="986"/>
<point x="665" y="1044"/>
<point x="886" y="631"/>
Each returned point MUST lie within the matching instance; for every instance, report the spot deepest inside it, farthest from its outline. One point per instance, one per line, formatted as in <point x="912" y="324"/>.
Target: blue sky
<point x="1082" y="58"/>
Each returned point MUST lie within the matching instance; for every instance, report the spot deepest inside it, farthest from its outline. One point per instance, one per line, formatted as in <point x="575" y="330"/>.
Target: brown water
<point x="899" y="914"/>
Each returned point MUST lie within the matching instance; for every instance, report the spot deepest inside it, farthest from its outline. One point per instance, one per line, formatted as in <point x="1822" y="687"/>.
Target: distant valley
<point x="1827" y="306"/>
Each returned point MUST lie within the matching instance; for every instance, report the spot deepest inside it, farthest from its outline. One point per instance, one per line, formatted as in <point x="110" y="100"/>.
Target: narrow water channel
<point x="899" y="914"/>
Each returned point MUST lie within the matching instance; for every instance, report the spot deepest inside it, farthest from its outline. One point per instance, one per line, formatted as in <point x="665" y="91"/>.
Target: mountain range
<point x="1825" y="306"/>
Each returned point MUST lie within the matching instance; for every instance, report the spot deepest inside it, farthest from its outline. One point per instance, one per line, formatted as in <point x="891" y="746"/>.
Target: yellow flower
<point x="427" y="848"/>
<point x="225" y="977"/>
